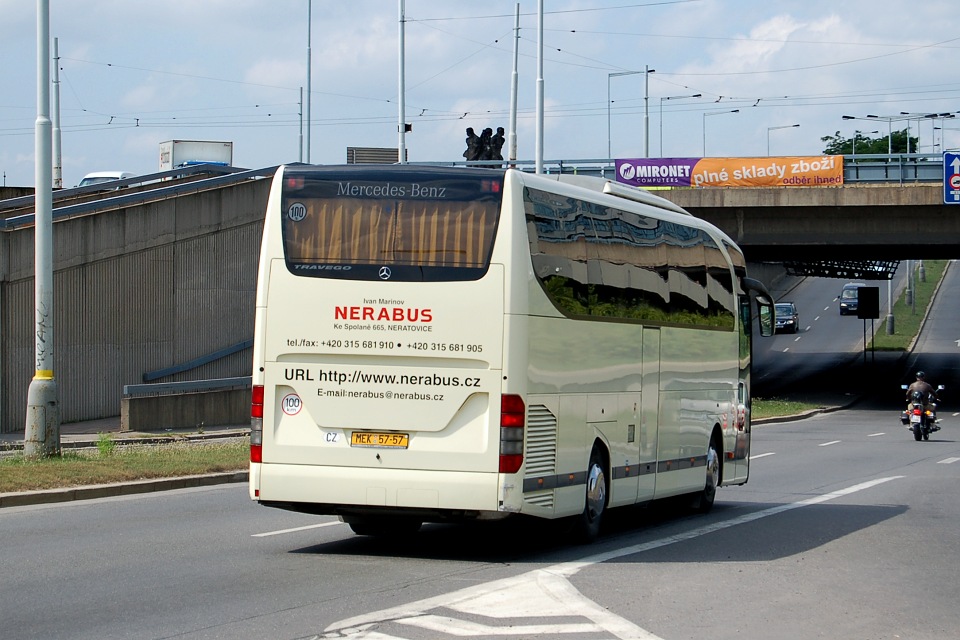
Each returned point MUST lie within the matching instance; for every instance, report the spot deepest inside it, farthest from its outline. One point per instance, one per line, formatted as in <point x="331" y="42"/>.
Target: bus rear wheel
<point x="704" y="500"/>
<point x="588" y="523"/>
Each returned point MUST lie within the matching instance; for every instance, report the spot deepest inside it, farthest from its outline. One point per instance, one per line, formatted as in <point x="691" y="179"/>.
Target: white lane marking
<point x="762" y="455"/>
<point x="295" y="529"/>
<point x="797" y="338"/>
<point x="818" y="317"/>
<point x="827" y="444"/>
<point x="826" y="308"/>
<point x="542" y="593"/>
<point x="787" y="349"/>
<point x="874" y="435"/>
<point x="448" y="625"/>
<point x="949" y="461"/>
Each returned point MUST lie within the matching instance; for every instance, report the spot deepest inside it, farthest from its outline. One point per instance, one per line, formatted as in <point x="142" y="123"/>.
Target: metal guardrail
<point x="114" y="185"/>
<point x="190" y="386"/>
<point x="121" y="201"/>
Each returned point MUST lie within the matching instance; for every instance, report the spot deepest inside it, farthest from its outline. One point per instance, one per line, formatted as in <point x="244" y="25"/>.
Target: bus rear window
<point x="398" y="223"/>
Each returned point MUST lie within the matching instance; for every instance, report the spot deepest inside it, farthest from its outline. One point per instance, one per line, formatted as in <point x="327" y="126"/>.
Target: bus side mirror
<point x="765" y="315"/>
<point x="765" y="311"/>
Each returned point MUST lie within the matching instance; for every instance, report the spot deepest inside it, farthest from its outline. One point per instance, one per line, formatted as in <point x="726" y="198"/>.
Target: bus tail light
<point x="512" y="422"/>
<point x="256" y="424"/>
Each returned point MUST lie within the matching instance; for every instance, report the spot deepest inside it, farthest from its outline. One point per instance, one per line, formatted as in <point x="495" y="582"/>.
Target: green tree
<point x="895" y="143"/>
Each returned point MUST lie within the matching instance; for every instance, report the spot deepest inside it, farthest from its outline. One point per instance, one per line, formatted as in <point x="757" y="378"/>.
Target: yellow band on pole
<point x="44" y="374"/>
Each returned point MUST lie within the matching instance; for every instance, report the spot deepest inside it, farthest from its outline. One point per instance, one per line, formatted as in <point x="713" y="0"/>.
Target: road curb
<point x="793" y="418"/>
<point x="51" y="496"/>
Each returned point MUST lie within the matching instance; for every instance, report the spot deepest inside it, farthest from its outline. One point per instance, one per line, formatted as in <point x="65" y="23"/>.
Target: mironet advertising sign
<point x="817" y="171"/>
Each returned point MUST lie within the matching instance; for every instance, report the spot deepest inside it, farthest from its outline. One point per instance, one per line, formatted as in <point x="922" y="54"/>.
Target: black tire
<point x="917" y="432"/>
<point x="926" y="435"/>
<point x="587" y="528"/>
<point x="703" y="502"/>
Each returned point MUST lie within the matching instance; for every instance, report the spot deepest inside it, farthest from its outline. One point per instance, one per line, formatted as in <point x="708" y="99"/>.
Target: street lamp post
<point x="646" y="75"/>
<point x="889" y="120"/>
<point x="712" y="113"/>
<point x="696" y="95"/>
<point x="874" y="118"/>
<point x="769" y="129"/>
<point x="853" y="150"/>
<point x="932" y="117"/>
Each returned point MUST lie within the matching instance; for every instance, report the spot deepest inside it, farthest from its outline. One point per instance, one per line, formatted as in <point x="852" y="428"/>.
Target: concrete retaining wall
<point x="185" y="410"/>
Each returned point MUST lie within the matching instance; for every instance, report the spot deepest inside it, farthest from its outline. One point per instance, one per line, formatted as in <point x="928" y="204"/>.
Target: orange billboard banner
<point x="815" y="171"/>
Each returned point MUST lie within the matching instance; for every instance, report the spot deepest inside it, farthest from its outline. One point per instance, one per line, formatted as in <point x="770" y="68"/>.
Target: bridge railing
<point x="861" y="168"/>
<point x="898" y="168"/>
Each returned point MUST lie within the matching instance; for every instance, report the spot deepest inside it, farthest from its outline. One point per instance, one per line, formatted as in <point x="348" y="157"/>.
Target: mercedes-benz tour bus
<point x="437" y="344"/>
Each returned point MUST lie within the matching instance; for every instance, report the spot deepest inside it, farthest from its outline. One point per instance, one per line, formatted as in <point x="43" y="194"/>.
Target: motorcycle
<point x="920" y="417"/>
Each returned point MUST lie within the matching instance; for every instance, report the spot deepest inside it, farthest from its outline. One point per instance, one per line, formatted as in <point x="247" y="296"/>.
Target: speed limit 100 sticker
<point x="297" y="211"/>
<point x="291" y="404"/>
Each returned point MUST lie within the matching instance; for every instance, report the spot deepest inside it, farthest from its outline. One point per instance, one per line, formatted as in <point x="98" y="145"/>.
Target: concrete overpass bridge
<point x="156" y="282"/>
<point x="872" y="222"/>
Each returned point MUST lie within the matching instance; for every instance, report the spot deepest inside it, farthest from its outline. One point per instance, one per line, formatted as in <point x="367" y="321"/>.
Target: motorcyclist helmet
<point x="921" y="375"/>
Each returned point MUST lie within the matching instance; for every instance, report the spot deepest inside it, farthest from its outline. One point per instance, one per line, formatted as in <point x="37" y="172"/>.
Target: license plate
<point x="379" y="440"/>
<point x="914" y="418"/>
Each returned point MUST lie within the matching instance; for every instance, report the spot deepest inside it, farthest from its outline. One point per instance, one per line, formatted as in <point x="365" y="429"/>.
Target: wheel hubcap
<point x="596" y="492"/>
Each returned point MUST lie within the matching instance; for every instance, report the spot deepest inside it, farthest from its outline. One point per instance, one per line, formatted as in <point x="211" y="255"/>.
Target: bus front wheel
<point x="588" y="524"/>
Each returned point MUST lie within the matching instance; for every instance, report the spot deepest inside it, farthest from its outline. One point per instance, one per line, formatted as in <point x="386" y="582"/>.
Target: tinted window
<point x="420" y="224"/>
<point x="594" y="260"/>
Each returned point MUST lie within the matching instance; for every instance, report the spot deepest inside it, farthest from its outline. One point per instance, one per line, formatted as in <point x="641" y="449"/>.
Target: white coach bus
<point x="439" y="344"/>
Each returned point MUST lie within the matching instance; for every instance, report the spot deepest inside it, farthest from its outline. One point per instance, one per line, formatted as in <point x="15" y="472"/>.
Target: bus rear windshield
<point x="390" y="222"/>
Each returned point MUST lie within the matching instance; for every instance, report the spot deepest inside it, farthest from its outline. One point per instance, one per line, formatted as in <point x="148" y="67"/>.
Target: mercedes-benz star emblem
<point x="385" y="273"/>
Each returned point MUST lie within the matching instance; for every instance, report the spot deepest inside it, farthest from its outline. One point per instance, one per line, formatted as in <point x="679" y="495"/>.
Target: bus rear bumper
<point x="344" y="491"/>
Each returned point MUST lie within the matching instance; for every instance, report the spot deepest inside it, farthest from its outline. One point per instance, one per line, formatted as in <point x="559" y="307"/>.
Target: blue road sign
<point x="951" y="177"/>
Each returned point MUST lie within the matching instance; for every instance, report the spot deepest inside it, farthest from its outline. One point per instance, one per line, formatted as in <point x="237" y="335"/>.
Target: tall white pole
<point x="512" y="135"/>
<point x="57" y="155"/>
<point x="301" y="124"/>
<point x="42" y="432"/>
<point x="539" y="152"/>
<point x="402" y="144"/>
<point x="309" y="56"/>
<point x="646" y="111"/>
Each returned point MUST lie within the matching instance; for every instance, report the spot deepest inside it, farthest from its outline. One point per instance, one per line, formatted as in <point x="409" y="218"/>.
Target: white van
<point x="98" y="177"/>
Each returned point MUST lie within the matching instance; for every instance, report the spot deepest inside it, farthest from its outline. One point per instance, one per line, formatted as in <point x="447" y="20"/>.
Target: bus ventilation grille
<point x="541" y="455"/>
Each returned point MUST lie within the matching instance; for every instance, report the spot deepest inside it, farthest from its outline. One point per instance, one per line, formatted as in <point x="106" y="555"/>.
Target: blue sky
<point x="137" y="72"/>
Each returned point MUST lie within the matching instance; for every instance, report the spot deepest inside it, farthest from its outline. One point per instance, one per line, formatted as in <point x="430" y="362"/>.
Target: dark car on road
<point x="788" y="320"/>
<point x="849" y="297"/>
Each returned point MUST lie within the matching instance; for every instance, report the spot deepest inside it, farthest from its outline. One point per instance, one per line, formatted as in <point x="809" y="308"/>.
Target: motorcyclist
<point x="924" y="387"/>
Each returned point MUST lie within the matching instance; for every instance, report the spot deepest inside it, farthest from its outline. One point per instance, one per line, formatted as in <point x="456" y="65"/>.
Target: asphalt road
<point x="847" y="529"/>
<point x="825" y="358"/>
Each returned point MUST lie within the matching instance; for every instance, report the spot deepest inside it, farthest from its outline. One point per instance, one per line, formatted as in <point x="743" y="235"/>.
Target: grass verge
<point x="907" y="317"/>
<point x="778" y="407"/>
<point x="111" y="462"/>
